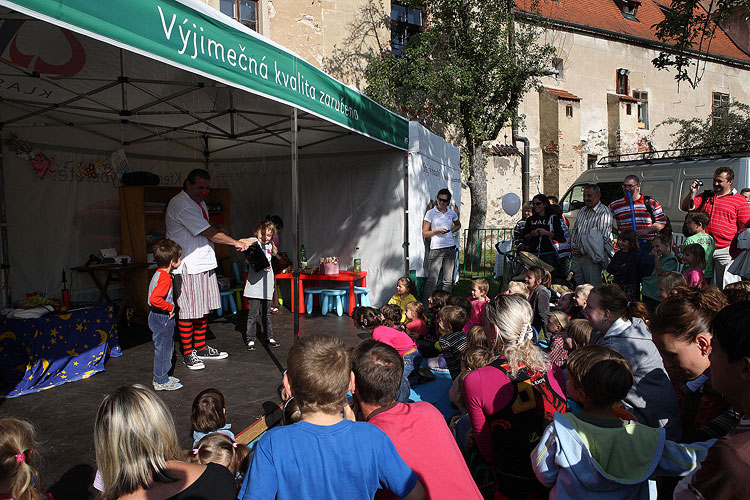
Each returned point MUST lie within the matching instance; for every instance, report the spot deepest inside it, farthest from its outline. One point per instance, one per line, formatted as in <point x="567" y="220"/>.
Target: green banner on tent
<point x="176" y="32"/>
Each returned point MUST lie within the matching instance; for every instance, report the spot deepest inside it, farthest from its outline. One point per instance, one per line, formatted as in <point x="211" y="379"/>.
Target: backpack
<point x="667" y="229"/>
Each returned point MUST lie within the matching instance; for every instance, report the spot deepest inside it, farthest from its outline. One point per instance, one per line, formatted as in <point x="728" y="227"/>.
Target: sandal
<point x="275" y="310"/>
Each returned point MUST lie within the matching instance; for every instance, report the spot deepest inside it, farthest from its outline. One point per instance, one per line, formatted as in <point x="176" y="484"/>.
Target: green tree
<point x="468" y="70"/>
<point x="689" y="27"/>
<point x="723" y="130"/>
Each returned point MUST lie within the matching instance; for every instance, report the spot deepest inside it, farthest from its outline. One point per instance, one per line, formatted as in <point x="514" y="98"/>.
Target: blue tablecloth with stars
<point x="37" y="354"/>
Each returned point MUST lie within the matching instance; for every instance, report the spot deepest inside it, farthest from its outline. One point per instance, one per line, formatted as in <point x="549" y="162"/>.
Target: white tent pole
<point x="407" y="264"/>
<point x="295" y="225"/>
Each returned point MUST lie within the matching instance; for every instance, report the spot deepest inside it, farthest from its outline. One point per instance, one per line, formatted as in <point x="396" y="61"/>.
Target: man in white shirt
<point x="196" y="289"/>
<point x="439" y="224"/>
<point x="593" y="216"/>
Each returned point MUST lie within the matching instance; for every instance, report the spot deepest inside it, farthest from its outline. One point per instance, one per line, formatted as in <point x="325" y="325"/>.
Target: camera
<point x="700" y="183"/>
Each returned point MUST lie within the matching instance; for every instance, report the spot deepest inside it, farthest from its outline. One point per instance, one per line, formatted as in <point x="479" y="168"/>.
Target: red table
<point x="347" y="276"/>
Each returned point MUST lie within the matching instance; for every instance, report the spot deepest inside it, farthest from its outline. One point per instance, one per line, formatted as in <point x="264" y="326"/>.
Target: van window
<point x="573" y="199"/>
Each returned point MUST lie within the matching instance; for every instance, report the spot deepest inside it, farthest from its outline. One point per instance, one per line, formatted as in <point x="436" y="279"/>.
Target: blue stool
<point x="331" y="299"/>
<point x="360" y="295"/>
<point x="310" y="291"/>
<point x="227" y="302"/>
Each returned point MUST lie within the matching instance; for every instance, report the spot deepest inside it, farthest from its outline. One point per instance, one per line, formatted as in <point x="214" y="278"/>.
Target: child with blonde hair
<point x="667" y="281"/>
<point x="19" y="479"/>
<point x="416" y="326"/>
<point x="557" y="324"/>
<point x="582" y="296"/>
<point x="517" y="288"/>
<point x="221" y="449"/>
<point x="578" y="334"/>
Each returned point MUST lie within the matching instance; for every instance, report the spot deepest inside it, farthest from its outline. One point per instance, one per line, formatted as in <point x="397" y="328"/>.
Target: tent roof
<point x="185" y="109"/>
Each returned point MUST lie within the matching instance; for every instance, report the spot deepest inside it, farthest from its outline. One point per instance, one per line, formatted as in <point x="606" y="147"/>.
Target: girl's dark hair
<point x="462" y="302"/>
<point x="439" y="299"/>
<point x="632" y="239"/>
<point x="731" y="327"/>
<point x="698" y="251"/>
<point x="687" y="311"/>
<point x="737" y="292"/>
<point x="208" y="411"/>
<point x="409" y="284"/>
<point x="276" y="221"/>
<point x="391" y="314"/>
<point x="613" y="299"/>
<point x="367" y="317"/>
<point x="541" y="275"/>
<point x="547" y="204"/>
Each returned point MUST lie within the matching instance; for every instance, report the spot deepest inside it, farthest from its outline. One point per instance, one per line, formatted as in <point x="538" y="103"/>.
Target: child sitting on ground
<point x="452" y="345"/>
<point x="167" y="255"/>
<point x="624" y="264"/>
<point x="374" y="321"/>
<point x="392" y="316"/>
<point x="557" y="324"/>
<point x="578" y="334"/>
<point x="209" y="415"/>
<point x="325" y="455"/>
<point x="668" y="281"/>
<point x="18" y="449"/>
<point x="221" y="449"/>
<point x="404" y="295"/>
<point x="437" y="301"/>
<point x="694" y="259"/>
<point x="416" y="326"/>
<point x="664" y="262"/>
<point x="479" y="300"/>
<point x="596" y="452"/>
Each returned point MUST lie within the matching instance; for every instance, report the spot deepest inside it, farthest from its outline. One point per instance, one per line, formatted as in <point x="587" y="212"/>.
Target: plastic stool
<point x="239" y="288"/>
<point x="309" y="293"/>
<point x="330" y="299"/>
<point x="227" y="302"/>
<point x="360" y="296"/>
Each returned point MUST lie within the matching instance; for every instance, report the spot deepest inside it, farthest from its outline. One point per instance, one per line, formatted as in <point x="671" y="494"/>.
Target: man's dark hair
<point x="725" y="170"/>
<point x="553" y="199"/>
<point x="445" y="192"/>
<point x="378" y="369"/>
<point x="196" y="173"/>
<point x="634" y="177"/>
<point x="731" y="328"/>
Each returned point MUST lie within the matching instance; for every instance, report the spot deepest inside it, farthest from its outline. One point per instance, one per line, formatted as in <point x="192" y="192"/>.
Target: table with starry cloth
<point x="37" y="354"/>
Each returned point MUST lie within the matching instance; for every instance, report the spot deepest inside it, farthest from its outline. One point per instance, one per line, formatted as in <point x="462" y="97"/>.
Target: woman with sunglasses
<point x="439" y="224"/>
<point x="541" y="229"/>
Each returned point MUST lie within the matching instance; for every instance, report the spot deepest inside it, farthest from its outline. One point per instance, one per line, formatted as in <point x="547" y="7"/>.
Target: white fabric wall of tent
<point x="169" y="120"/>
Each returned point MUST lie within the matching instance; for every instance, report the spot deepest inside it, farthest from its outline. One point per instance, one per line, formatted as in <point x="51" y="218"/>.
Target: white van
<point x="666" y="180"/>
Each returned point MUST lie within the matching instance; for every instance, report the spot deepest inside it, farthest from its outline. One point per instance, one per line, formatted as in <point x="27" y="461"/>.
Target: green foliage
<point x="470" y="68"/>
<point x="689" y="29"/>
<point x="717" y="133"/>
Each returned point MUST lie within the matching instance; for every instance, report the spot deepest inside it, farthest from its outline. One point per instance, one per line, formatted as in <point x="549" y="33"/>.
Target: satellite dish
<point x="511" y="204"/>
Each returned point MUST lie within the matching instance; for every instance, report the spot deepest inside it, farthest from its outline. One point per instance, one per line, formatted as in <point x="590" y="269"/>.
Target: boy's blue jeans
<point x="162" y="331"/>
<point x="412" y="361"/>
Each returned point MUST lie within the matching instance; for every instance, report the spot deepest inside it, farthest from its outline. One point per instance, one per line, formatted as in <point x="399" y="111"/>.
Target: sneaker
<point x="168" y="386"/>
<point x="193" y="362"/>
<point x="272" y="342"/>
<point x="209" y="352"/>
<point x="173" y="379"/>
<point x="250" y="345"/>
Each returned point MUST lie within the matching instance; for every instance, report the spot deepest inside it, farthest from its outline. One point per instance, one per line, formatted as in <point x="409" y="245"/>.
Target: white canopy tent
<point x="82" y="80"/>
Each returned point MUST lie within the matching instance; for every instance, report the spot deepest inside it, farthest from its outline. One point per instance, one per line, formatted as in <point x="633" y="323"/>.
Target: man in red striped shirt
<point x="645" y="222"/>
<point x="729" y="213"/>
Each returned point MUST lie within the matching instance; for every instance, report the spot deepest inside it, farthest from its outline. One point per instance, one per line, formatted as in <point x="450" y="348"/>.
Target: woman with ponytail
<point x="18" y="478"/>
<point x="681" y="332"/>
<point x="651" y="399"/>
<point x="511" y="399"/>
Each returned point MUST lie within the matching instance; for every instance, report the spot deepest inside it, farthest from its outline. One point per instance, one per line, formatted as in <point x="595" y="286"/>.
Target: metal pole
<point x="4" y="235"/>
<point x="406" y="215"/>
<point x="295" y="225"/>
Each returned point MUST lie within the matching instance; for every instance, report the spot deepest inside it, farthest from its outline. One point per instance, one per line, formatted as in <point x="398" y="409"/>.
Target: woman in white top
<point x="439" y="224"/>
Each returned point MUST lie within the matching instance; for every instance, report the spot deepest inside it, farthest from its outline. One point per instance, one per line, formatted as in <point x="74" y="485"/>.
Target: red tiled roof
<point x="606" y="15"/>
<point x="504" y="150"/>
<point x="563" y="94"/>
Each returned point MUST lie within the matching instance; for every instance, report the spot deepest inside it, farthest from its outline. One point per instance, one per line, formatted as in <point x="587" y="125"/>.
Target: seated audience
<point x="209" y="415"/>
<point x="596" y="455"/>
<point x="325" y="455"/>
<point x="221" y="449"/>
<point x="651" y="398"/>
<point x="452" y="345"/>
<point x="139" y="457"/>
<point x="510" y="402"/>
<point x="418" y="430"/>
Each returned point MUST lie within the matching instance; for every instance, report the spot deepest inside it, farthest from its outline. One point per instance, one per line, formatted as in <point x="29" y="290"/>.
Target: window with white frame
<point x="642" y="97"/>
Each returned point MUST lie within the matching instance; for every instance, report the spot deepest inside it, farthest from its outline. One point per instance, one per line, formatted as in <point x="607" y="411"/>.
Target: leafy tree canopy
<point x="722" y="133"/>
<point x="689" y="27"/>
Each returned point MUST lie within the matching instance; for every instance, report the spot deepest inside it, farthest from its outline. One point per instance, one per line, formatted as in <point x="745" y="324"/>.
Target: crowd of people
<point x="633" y="384"/>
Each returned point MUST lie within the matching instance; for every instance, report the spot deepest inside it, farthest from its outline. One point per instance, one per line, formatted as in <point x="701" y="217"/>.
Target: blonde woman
<point x="139" y="458"/>
<point x="512" y="398"/>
